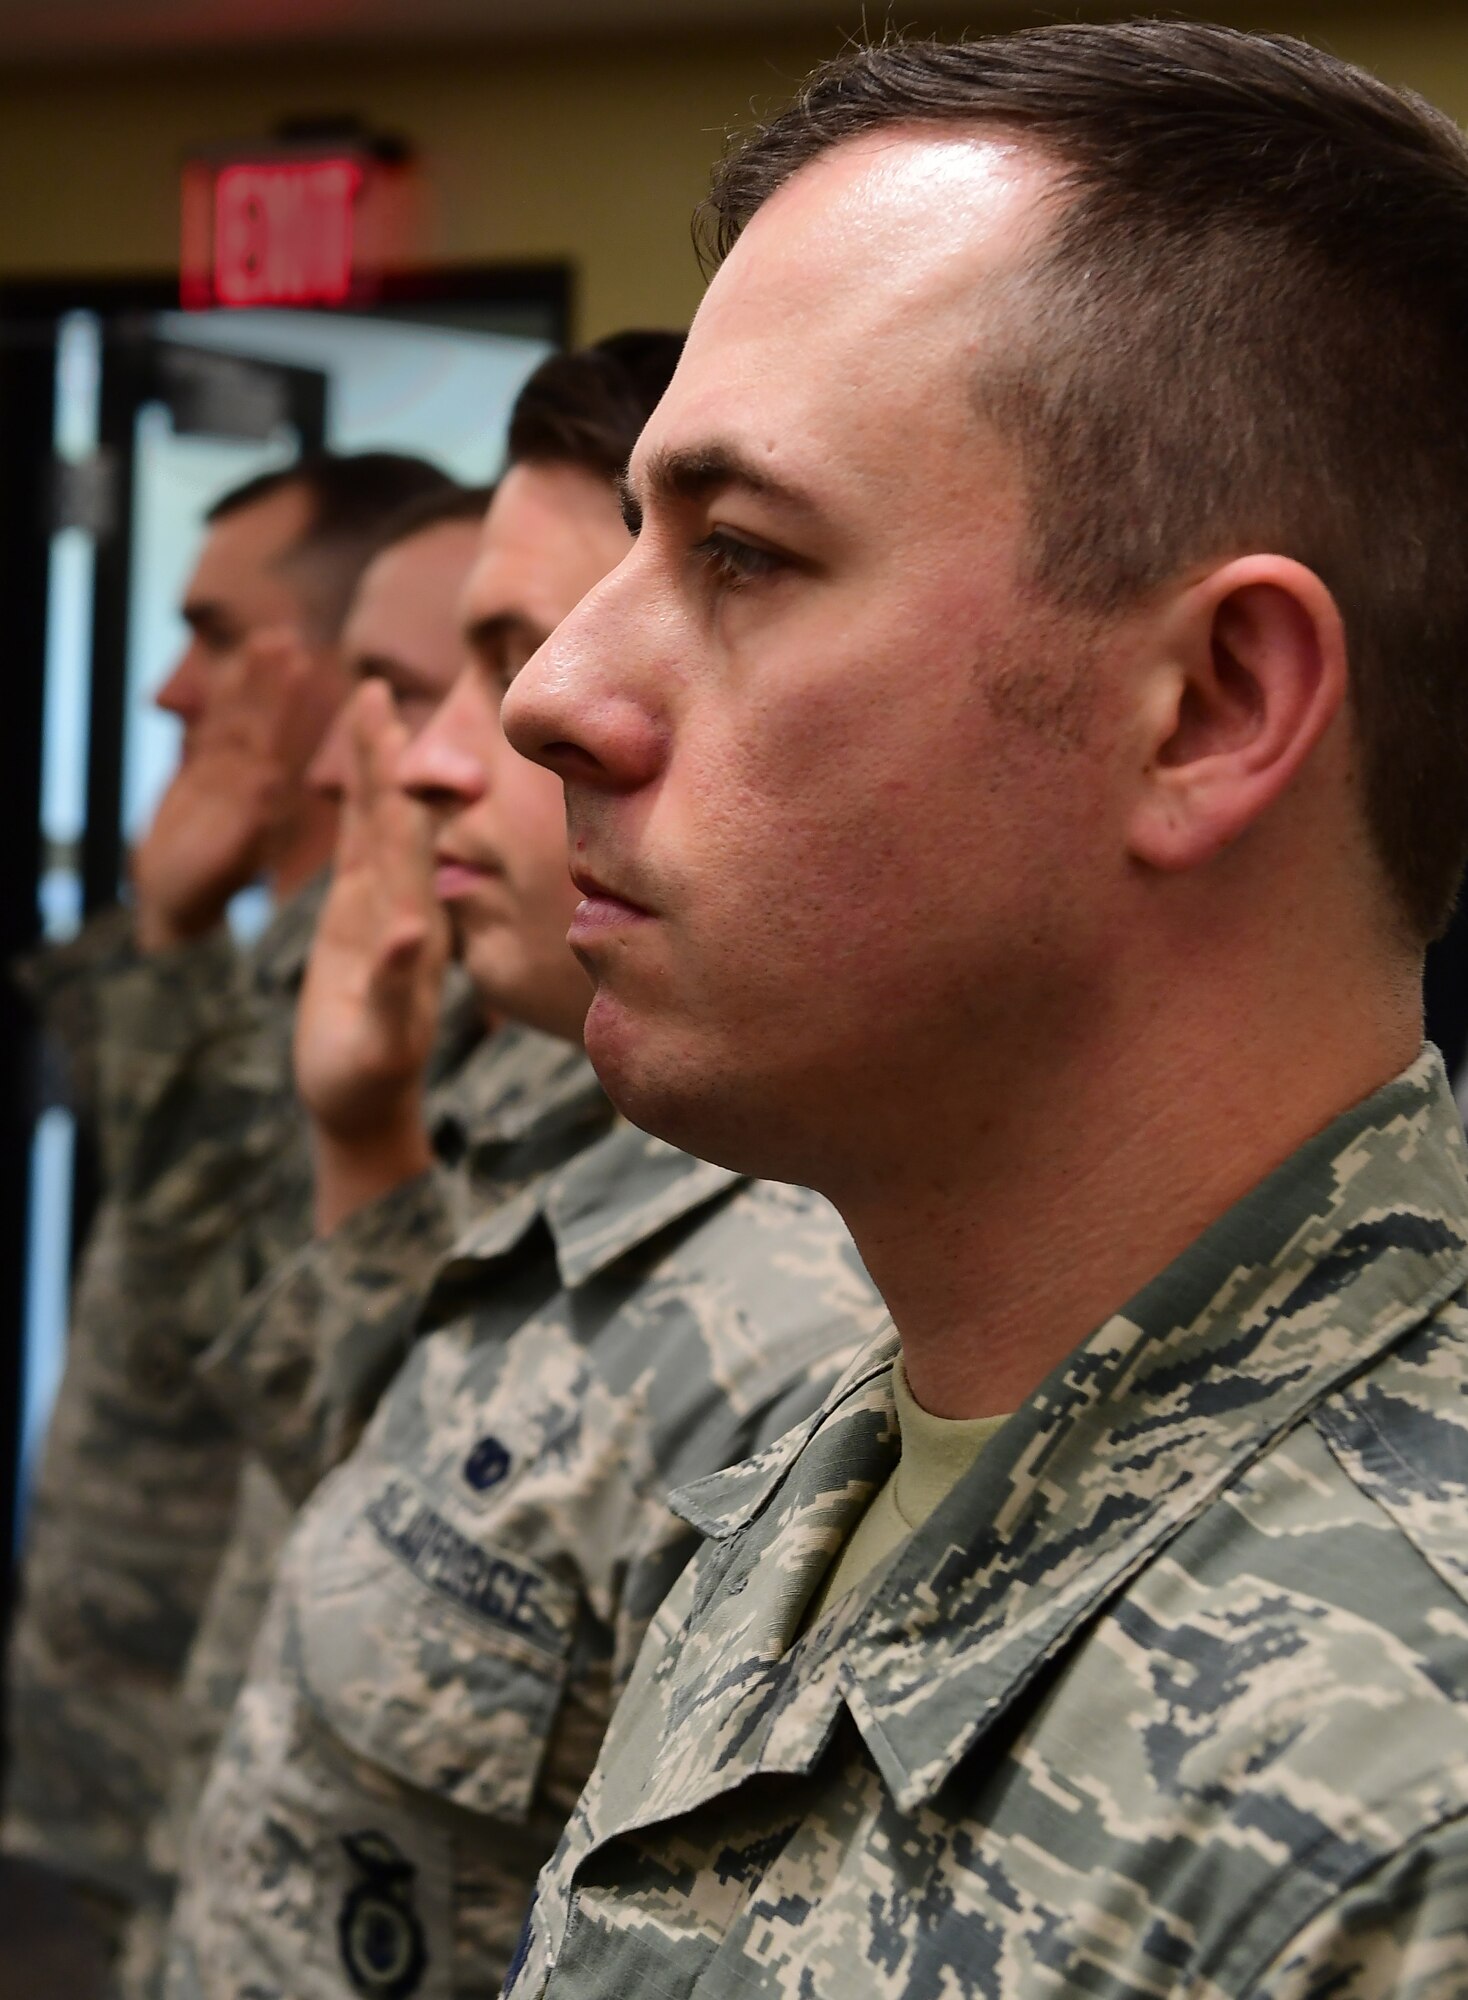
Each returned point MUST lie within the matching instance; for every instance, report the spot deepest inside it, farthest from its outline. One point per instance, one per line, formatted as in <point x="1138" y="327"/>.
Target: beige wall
<point x="592" y="154"/>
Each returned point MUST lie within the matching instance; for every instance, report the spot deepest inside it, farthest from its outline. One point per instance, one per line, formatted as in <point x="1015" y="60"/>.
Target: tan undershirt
<point x="935" y="1454"/>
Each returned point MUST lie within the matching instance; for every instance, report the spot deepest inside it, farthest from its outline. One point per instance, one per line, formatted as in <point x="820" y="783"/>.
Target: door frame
<point x="31" y="308"/>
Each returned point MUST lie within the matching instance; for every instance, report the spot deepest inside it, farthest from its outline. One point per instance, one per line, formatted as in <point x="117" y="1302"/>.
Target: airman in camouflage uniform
<point x="1004" y="704"/>
<point x="185" y="1251"/>
<point x="135" y="1491"/>
<point x="401" y="628"/>
<point x="460" y="1603"/>
<point x="300" y="1371"/>
<point x="177" y="1046"/>
<point x="1170" y="1696"/>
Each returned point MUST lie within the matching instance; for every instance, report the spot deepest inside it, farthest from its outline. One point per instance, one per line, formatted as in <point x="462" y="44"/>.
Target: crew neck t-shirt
<point x="934" y="1455"/>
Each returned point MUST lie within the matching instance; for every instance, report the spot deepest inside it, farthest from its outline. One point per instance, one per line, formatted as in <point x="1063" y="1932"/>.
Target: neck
<point x="303" y="850"/>
<point x="1033" y="1220"/>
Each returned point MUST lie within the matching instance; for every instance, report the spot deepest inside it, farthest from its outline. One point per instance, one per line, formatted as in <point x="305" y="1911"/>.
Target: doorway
<point x="122" y="419"/>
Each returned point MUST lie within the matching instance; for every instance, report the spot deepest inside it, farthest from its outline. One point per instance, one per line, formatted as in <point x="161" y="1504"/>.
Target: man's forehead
<point x="857" y="289"/>
<point x="515" y="543"/>
<point x="412" y="586"/>
<point x="545" y="525"/>
<point x="885" y="209"/>
<point x="508" y="583"/>
<point x="253" y="538"/>
<point x="422" y="563"/>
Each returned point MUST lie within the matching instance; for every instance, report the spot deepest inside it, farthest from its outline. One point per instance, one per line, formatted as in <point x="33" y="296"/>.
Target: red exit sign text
<point x="314" y="231"/>
<point x="283" y="233"/>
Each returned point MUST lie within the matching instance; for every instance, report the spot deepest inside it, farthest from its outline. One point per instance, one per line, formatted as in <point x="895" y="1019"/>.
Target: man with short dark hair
<point x="264" y="608"/>
<point x="1013" y="779"/>
<point x="401" y="633"/>
<point x="180" y="1044"/>
<point x="458" y="1604"/>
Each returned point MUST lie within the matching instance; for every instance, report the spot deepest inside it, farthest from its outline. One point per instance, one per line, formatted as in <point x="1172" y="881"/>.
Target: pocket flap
<point x="427" y="1649"/>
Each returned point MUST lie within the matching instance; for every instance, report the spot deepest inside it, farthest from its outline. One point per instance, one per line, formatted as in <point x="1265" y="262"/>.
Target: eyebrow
<point x="695" y="472"/>
<point x="488" y="636"/>
<point x="204" y="615"/>
<point x="390" y="667"/>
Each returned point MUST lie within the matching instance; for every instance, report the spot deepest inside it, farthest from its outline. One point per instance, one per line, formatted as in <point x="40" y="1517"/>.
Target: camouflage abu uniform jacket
<point x="182" y="1059"/>
<point x="1169" y="1698"/>
<point x="303" y="1366"/>
<point x="63" y="979"/>
<point x="300" y="1370"/>
<point x="459" y="1602"/>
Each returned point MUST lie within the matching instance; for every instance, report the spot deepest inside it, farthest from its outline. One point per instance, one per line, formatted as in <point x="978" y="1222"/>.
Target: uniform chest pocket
<point x="430" y="1650"/>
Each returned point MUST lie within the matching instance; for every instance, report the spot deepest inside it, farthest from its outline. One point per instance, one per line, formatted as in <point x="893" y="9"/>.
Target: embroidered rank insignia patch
<point x="382" y="1943"/>
<point x="487" y="1464"/>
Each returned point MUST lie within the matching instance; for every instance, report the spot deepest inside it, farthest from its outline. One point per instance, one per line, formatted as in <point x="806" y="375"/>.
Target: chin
<point x="692" y="1096"/>
<point x="528" y="1005"/>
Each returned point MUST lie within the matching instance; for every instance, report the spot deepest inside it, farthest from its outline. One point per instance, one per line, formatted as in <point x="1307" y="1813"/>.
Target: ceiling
<point x="85" y="31"/>
<point x="82" y="30"/>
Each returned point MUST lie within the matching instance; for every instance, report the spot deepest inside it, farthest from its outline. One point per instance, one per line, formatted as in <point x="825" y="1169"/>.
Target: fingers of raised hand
<point x="252" y="693"/>
<point x="407" y="938"/>
<point x="376" y="740"/>
<point x="400" y="828"/>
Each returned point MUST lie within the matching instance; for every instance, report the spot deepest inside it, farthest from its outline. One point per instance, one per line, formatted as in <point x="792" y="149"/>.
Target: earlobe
<point x="1251" y="673"/>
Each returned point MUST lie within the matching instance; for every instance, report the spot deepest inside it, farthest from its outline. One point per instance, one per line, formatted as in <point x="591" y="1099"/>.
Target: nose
<point x="588" y="704"/>
<point x="182" y="694"/>
<point x="445" y="765"/>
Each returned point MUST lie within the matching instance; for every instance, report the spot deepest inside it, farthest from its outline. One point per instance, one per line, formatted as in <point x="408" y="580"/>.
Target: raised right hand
<point x="214" y="826"/>
<point x="369" y="1007"/>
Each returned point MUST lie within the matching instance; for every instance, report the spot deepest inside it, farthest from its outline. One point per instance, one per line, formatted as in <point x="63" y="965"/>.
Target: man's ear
<point x="1251" y="671"/>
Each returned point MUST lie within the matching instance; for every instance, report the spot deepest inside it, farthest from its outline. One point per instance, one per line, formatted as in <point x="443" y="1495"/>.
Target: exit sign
<point x="313" y="228"/>
<point x="283" y="233"/>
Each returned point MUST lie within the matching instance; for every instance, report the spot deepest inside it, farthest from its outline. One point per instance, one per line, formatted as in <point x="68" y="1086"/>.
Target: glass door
<point x="122" y="420"/>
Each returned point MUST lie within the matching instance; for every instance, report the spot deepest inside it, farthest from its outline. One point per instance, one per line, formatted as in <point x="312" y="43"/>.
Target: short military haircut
<point x="588" y="408"/>
<point x="452" y="506"/>
<point x="351" y="496"/>
<point x="1246" y="330"/>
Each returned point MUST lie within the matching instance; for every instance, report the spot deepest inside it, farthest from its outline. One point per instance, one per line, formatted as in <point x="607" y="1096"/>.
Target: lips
<point x="600" y="910"/>
<point x="455" y="876"/>
<point x="597" y="891"/>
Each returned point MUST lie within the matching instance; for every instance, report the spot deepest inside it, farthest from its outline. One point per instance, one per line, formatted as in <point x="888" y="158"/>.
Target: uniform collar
<point x="619" y="1193"/>
<point x="722" y="1503"/>
<point x="1302" y="1285"/>
<point x="514" y="1085"/>
<point x="1328" y="1263"/>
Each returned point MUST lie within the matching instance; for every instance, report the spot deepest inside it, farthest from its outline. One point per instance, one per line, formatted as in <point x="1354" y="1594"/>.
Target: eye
<point x="731" y="563"/>
<point x="515" y="654"/>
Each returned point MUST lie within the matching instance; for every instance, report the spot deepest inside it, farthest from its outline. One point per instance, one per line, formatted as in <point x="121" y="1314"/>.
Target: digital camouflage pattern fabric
<point x="460" y="1602"/>
<point x="1170" y="1697"/>
<point x="183" y="1061"/>
<point x="62" y="980"/>
<point x="304" y="1364"/>
<point x="300" y="1369"/>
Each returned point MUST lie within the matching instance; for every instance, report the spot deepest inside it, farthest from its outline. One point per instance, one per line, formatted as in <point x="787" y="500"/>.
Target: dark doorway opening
<point x="120" y="418"/>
